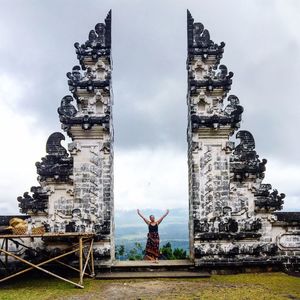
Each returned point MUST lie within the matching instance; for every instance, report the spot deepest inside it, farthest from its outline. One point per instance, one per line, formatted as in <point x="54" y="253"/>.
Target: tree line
<point x="137" y="252"/>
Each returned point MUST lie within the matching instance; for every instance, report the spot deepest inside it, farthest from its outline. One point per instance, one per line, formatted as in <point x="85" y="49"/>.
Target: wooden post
<point x="6" y="256"/>
<point x="92" y="259"/>
<point x="87" y="259"/>
<point x="80" y="261"/>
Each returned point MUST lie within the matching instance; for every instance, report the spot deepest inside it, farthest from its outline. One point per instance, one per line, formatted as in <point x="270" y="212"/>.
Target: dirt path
<point x="152" y="289"/>
<point x="146" y="289"/>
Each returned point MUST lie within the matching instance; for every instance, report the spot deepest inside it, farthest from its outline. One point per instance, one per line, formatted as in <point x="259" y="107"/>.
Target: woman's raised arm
<point x="140" y="214"/>
<point x="162" y="217"/>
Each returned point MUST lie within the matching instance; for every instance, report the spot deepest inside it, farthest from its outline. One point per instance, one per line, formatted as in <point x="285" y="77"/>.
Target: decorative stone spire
<point x="86" y="116"/>
<point x="209" y="82"/>
<point x="98" y="43"/>
<point x="90" y="83"/>
<point x="199" y="42"/>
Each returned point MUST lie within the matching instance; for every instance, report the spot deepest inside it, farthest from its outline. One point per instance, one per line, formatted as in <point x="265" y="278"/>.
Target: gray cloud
<point x="149" y="54"/>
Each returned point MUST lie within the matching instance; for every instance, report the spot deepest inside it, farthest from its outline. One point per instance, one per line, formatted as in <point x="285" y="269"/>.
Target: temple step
<point x="146" y="269"/>
<point x="148" y="266"/>
<point x="152" y="274"/>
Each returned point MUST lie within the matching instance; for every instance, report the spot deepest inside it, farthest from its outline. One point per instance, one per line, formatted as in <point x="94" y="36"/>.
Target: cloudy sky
<point x="149" y="82"/>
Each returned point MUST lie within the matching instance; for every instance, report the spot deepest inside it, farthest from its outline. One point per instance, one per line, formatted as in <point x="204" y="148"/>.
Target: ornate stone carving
<point x="211" y="83"/>
<point x="57" y="165"/>
<point x="86" y="122"/>
<point x="87" y="82"/>
<point x="244" y="161"/>
<point x="199" y="42"/>
<point x="234" y="110"/>
<point x="266" y="200"/>
<point x="66" y="109"/>
<point x="102" y="253"/>
<point x="231" y="115"/>
<point x="238" y="251"/>
<point x="289" y="241"/>
<point x="37" y="203"/>
<point x="98" y="43"/>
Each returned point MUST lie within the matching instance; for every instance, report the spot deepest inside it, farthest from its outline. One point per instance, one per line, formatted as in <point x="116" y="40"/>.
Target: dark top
<point x="153" y="228"/>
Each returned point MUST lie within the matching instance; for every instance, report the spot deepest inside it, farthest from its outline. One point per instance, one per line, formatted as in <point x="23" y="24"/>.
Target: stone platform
<point x="147" y="269"/>
<point x="153" y="274"/>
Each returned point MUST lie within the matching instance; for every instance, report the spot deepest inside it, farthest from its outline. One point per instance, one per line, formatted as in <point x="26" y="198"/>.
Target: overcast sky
<point x="149" y="83"/>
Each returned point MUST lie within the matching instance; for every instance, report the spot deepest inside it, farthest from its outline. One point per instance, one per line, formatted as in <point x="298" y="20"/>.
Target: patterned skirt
<point x="152" y="246"/>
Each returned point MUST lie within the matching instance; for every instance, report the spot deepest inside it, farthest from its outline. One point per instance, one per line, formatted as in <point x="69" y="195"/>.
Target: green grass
<point x="241" y="286"/>
<point x="40" y="288"/>
<point x="253" y="286"/>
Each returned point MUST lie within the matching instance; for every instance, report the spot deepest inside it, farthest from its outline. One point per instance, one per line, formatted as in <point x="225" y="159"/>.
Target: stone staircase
<point x="148" y="269"/>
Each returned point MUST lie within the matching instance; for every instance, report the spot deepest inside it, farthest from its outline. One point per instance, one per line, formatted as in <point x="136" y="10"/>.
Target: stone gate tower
<point x="76" y="188"/>
<point x="232" y="220"/>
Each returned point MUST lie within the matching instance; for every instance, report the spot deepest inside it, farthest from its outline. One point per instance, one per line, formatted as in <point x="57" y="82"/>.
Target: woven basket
<point x="19" y="231"/>
<point x="38" y="230"/>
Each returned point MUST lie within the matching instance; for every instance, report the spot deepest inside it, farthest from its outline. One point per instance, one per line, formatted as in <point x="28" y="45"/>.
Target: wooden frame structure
<point x="82" y="243"/>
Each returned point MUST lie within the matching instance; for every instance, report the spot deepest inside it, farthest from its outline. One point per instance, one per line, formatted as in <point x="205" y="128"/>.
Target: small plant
<point x="168" y="253"/>
<point x="120" y="251"/>
<point x="135" y="253"/>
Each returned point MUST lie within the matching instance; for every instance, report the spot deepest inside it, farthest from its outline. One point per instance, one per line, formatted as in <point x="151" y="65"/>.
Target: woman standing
<point x="152" y="246"/>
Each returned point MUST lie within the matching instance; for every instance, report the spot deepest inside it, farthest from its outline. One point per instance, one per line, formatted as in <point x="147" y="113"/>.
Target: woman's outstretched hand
<point x="139" y="213"/>
<point x="162" y="217"/>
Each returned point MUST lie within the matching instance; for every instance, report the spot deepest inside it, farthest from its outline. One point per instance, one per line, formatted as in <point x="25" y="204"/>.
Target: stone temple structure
<point x="232" y="211"/>
<point x="76" y="186"/>
<point x="233" y="218"/>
